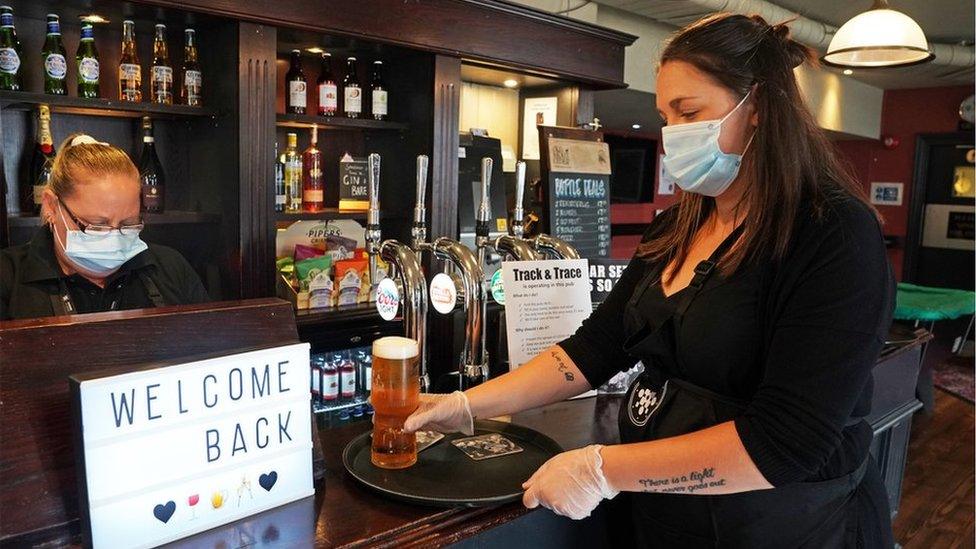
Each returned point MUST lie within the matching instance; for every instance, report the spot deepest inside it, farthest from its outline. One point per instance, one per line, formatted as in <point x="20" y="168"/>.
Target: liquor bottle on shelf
<point x="130" y="71"/>
<point x="328" y="89"/>
<point x="42" y="159"/>
<point x="352" y="92"/>
<point x="162" y="71"/>
<point x="313" y="188"/>
<point x="11" y="53"/>
<point x="280" y="194"/>
<point x="293" y="175"/>
<point x="53" y="57"/>
<point x="87" y="59"/>
<point x="151" y="171"/>
<point x="378" y="92"/>
<point x="191" y="80"/>
<point x="296" y="98"/>
<point x="317" y="362"/>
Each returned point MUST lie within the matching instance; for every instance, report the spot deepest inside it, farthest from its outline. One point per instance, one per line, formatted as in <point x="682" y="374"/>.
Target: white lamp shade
<point x="878" y="38"/>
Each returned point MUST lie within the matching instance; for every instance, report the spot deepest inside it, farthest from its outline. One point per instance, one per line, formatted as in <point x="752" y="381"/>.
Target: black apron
<point x="660" y="404"/>
<point x="64" y="305"/>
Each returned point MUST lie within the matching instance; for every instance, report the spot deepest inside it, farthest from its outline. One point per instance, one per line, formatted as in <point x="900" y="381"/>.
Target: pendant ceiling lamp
<point x="879" y="37"/>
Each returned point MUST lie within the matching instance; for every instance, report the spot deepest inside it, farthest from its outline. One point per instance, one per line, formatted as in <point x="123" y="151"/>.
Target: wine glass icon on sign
<point x="192" y="501"/>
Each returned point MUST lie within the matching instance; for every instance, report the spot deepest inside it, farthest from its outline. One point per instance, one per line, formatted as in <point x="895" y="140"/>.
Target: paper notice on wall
<point x="539" y="111"/>
<point x="545" y="302"/>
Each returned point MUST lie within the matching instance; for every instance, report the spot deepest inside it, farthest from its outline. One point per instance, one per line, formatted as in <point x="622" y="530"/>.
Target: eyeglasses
<point x="103" y="230"/>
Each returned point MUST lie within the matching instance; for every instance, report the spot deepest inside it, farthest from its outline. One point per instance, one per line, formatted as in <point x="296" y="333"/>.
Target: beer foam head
<point x="395" y="348"/>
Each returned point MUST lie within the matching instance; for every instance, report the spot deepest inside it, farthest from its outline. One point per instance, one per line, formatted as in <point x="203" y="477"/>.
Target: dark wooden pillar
<point x="257" y="77"/>
<point x="442" y="207"/>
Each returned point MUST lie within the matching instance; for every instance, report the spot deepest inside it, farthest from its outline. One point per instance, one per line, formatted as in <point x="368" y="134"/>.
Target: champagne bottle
<point x="296" y="99"/>
<point x="11" y="53"/>
<point x="87" y="59"/>
<point x="42" y="159"/>
<point x="378" y="92"/>
<point x="293" y="175"/>
<point x="162" y="71"/>
<point x="53" y="57"/>
<point x="191" y="83"/>
<point x="313" y="192"/>
<point x="352" y="92"/>
<point x="130" y="71"/>
<point x="151" y="171"/>
<point x="280" y="194"/>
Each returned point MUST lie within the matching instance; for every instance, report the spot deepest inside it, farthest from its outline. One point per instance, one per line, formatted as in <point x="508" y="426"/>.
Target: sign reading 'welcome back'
<point x="176" y="450"/>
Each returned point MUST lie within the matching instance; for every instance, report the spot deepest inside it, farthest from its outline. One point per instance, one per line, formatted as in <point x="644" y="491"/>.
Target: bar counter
<point x="342" y="513"/>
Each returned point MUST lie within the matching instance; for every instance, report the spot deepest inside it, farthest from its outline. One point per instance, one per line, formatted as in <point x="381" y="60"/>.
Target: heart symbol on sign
<point x="164" y="512"/>
<point x="268" y="480"/>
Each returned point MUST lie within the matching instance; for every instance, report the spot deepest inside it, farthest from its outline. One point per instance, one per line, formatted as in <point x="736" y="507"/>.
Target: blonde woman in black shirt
<point x="758" y="306"/>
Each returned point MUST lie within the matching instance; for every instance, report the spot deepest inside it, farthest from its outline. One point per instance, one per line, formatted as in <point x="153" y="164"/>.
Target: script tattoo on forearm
<point x="693" y="482"/>
<point x="561" y="366"/>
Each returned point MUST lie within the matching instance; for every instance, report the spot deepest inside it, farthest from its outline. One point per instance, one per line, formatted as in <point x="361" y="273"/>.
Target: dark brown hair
<point x="790" y="164"/>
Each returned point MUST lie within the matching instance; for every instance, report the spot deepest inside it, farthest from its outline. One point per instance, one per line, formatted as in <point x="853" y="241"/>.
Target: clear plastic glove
<point x="444" y="413"/>
<point x="570" y="484"/>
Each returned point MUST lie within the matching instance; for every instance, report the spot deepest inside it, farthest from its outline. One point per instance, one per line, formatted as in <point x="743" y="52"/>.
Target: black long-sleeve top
<point x="795" y="338"/>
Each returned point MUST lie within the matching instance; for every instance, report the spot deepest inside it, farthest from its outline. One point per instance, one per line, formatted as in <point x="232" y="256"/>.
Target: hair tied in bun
<point x="796" y="53"/>
<point x="85" y="139"/>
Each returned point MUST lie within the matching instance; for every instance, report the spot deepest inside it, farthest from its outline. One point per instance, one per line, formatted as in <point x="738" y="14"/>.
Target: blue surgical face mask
<point x="99" y="255"/>
<point x="694" y="161"/>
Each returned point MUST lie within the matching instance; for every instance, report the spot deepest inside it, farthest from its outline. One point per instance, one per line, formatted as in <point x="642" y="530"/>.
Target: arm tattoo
<point x="561" y="366"/>
<point x="685" y="484"/>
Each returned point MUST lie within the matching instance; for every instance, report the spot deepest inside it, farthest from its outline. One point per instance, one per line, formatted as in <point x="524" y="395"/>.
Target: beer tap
<point x="554" y="247"/>
<point x="507" y="245"/>
<point x="473" y="362"/>
<point x="404" y="266"/>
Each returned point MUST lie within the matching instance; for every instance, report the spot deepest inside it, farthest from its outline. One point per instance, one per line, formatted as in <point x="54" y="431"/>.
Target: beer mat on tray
<point x="487" y="446"/>
<point x="426" y="439"/>
<point x="445" y="476"/>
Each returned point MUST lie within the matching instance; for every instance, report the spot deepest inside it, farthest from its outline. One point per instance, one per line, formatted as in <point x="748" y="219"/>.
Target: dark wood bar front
<point x="38" y="452"/>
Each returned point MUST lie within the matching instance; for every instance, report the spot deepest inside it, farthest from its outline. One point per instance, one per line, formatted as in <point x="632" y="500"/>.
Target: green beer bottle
<point x="52" y="54"/>
<point x="10" y="52"/>
<point x="87" y="59"/>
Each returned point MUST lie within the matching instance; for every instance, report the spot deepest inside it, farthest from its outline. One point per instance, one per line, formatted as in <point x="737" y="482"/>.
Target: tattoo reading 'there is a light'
<point x="561" y="366"/>
<point x="692" y="482"/>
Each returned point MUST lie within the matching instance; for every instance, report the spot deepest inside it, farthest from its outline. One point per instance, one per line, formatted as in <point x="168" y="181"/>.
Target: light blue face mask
<point x="693" y="159"/>
<point x="99" y="255"/>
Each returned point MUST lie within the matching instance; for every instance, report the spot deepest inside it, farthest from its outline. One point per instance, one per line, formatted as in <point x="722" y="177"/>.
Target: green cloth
<point x="930" y="304"/>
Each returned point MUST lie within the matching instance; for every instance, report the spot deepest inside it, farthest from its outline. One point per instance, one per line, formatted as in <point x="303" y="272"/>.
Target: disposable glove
<point x="443" y="413"/>
<point x="570" y="484"/>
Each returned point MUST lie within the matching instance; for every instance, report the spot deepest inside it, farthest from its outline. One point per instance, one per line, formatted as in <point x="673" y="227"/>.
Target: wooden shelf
<point x="326" y="213"/>
<point x="168" y="218"/>
<point x="100" y="107"/>
<point x="337" y="315"/>
<point x="337" y="123"/>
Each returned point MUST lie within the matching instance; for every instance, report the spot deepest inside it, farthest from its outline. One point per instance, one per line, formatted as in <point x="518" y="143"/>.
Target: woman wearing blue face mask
<point x="758" y="306"/>
<point x="88" y="256"/>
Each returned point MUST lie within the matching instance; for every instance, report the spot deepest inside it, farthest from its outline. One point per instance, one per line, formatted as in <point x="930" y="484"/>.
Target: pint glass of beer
<point x="395" y="395"/>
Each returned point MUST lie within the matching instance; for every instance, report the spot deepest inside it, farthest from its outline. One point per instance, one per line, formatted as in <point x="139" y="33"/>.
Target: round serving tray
<point x="445" y="476"/>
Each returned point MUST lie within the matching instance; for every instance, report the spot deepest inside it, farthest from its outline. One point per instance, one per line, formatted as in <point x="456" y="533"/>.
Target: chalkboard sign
<point x="353" y="184"/>
<point x="579" y="194"/>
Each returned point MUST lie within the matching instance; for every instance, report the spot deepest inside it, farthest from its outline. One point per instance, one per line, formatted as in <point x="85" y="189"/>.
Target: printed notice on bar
<point x="545" y="302"/>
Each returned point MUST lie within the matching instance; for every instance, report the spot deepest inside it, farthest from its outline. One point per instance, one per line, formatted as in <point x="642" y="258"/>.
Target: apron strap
<point x="154" y="295"/>
<point x="703" y="271"/>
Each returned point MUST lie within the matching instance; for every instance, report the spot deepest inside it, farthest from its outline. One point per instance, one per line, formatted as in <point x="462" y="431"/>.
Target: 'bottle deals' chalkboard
<point x="579" y="195"/>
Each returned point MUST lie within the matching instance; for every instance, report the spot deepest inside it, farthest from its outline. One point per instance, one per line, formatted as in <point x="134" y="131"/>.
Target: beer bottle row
<point x="330" y="89"/>
<point x="55" y="64"/>
<point x="151" y="175"/>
